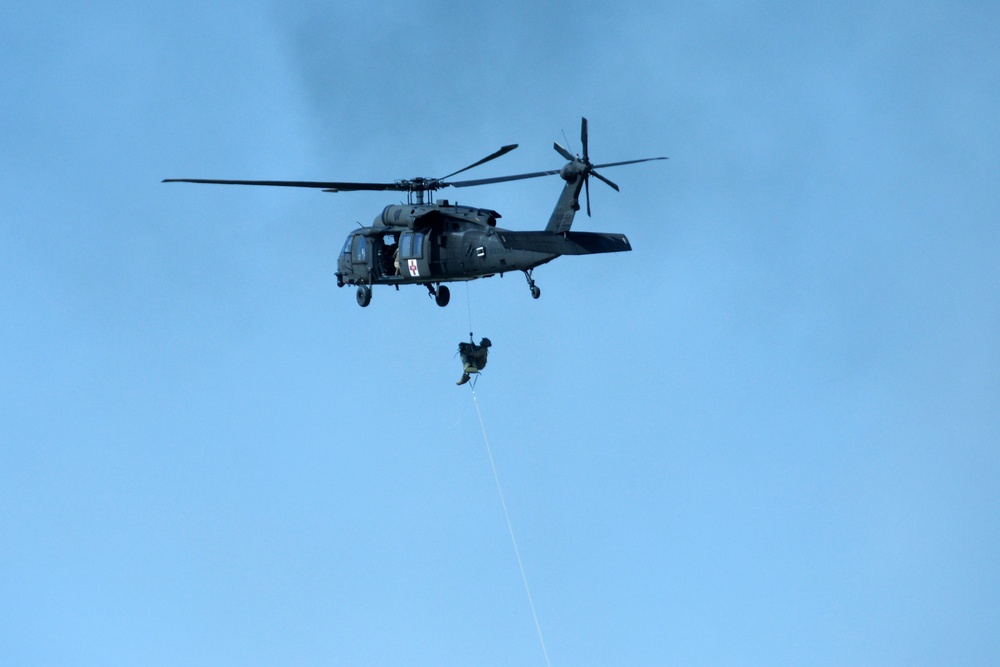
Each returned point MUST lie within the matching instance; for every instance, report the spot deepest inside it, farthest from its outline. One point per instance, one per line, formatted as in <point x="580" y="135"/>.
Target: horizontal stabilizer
<point x="567" y="243"/>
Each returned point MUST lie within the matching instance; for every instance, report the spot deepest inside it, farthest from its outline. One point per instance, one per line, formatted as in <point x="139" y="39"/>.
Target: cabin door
<point x="414" y="255"/>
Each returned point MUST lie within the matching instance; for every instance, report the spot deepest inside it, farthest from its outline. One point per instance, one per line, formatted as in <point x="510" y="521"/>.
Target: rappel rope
<point x="510" y="528"/>
<point x="468" y="303"/>
<point x="503" y="503"/>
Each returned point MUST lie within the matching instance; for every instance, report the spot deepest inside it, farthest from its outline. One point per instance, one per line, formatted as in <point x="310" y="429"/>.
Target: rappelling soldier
<point x="473" y="358"/>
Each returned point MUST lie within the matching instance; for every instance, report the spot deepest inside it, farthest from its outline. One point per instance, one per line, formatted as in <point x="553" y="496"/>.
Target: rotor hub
<point x="571" y="170"/>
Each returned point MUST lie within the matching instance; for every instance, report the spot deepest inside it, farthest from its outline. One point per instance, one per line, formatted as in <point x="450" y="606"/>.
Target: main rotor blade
<point x="562" y="151"/>
<point x="618" y="164"/>
<point x="499" y="179"/>
<point x="503" y="151"/>
<point x="599" y="177"/>
<point x="333" y="186"/>
<point x="536" y="174"/>
<point x="583" y="138"/>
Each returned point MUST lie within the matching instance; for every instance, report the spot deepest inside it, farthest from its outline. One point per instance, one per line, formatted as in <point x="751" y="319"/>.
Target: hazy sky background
<point x="768" y="435"/>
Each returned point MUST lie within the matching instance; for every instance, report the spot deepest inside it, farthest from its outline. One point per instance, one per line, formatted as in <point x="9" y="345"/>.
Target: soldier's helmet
<point x="485" y="342"/>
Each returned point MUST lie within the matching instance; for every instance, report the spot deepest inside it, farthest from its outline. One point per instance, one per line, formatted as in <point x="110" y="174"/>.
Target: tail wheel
<point x="443" y="296"/>
<point x="535" y="291"/>
<point x="364" y="295"/>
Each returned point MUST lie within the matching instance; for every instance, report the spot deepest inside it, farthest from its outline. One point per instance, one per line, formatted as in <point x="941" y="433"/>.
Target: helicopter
<point x="433" y="243"/>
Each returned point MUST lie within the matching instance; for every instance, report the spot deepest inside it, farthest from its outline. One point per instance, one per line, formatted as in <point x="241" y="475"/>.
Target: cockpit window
<point x="360" y="249"/>
<point x="347" y="245"/>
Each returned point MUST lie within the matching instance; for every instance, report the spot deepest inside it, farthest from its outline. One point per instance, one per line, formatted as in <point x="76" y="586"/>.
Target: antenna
<point x="567" y="142"/>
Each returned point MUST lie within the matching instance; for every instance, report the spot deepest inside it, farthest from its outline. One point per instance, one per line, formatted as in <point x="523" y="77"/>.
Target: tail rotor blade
<point x="599" y="177"/>
<point x="562" y="151"/>
<point x="586" y="185"/>
<point x="583" y="139"/>
<point x="618" y="164"/>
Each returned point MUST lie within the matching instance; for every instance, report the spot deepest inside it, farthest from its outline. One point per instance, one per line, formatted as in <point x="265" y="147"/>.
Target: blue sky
<point x="768" y="435"/>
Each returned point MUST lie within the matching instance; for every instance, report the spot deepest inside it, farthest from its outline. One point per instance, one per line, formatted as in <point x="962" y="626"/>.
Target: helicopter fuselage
<point x="430" y="243"/>
<point x="443" y="242"/>
<point x="436" y="243"/>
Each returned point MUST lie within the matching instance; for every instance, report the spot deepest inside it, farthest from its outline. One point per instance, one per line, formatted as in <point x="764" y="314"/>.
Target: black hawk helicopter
<point x="435" y="243"/>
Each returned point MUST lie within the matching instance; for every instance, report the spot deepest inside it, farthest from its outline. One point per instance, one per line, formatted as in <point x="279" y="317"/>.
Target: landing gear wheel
<point x="364" y="295"/>
<point x="535" y="291"/>
<point x="443" y="296"/>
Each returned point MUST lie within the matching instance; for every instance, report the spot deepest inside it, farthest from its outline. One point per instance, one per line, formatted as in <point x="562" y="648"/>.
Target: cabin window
<point x="411" y="245"/>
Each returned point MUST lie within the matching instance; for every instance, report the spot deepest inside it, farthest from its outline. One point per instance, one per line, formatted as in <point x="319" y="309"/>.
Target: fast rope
<point x="468" y="301"/>
<point x="510" y="528"/>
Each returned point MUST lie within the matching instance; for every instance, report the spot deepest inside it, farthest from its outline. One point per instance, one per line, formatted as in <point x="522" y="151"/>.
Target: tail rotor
<point x="588" y="167"/>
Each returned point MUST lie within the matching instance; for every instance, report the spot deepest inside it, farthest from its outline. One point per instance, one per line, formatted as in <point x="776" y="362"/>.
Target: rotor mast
<point x="416" y="189"/>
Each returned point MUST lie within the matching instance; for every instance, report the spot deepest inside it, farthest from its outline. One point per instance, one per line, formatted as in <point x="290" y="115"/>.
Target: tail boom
<point x="566" y="243"/>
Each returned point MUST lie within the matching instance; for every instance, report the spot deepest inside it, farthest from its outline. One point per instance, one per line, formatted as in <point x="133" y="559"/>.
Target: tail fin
<point x="575" y="174"/>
